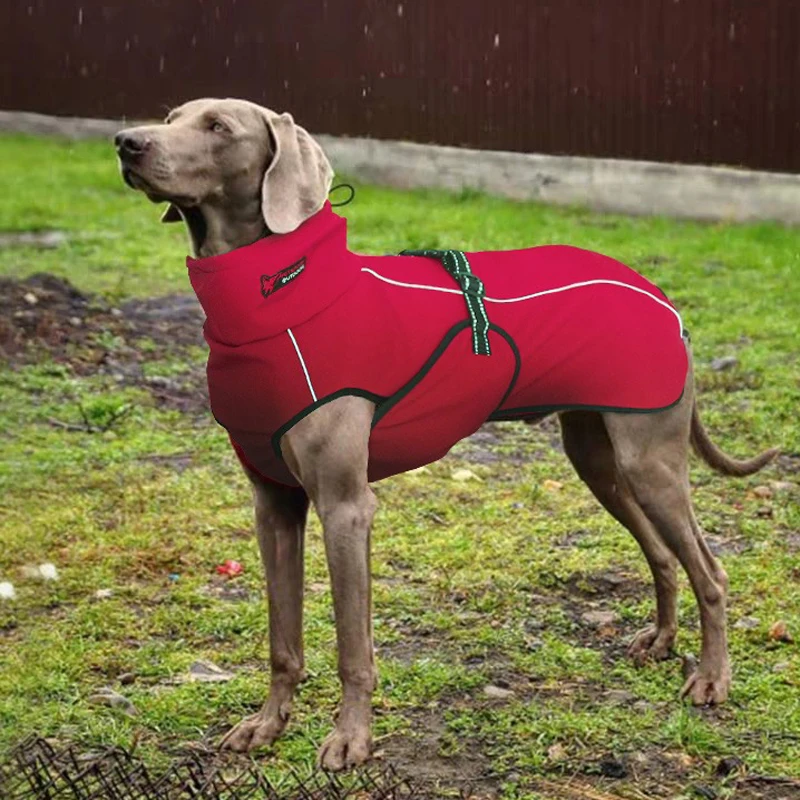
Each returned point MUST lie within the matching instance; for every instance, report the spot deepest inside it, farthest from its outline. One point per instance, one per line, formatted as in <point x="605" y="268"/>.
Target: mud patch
<point x="724" y="546"/>
<point x="512" y="443"/>
<point x="757" y="787"/>
<point x="572" y="539"/>
<point x="410" y="642"/>
<point x="610" y="583"/>
<point x="438" y="761"/>
<point x="494" y="443"/>
<point x="586" y="599"/>
<point x="45" y="317"/>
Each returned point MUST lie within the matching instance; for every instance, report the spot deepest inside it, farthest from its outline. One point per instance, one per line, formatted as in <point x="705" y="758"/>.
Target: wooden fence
<point x="697" y="81"/>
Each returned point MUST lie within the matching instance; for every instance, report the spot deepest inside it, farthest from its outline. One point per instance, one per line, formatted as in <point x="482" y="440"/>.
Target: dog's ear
<point x="298" y="178"/>
<point x="171" y="214"/>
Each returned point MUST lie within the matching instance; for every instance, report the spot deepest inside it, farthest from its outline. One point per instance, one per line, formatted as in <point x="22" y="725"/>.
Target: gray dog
<point x="235" y="173"/>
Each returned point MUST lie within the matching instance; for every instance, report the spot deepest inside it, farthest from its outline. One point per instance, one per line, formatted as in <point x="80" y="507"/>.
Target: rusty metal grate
<point x="36" y="770"/>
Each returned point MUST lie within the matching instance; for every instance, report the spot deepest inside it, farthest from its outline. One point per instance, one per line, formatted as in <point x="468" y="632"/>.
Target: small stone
<point x="611" y="767"/>
<point x="497" y="692"/>
<point x="48" y="572"/>
<point x="464" y="475"/>
<point x="613" y="579"/>
<point x="600" y="618"/>
<point x="30" y="298"/>
<point x="551" y="486"/>
<point x="108" y="697"/>
<point x="726" y="362"/>
<point x="619" y="696"/>
<point x="162" y="382"/>
<point x="556" y="752"/>
<point x="127" y="678"/>
<point x="747" y="623"/>
<point x="764" y="511"/>
<point x="728" y="765"/>
<point x="764" y="492"/>
<point x="103" y="594"/>
<point x="207" y="672"/>
<point x="7" y="591"/>
<point x="783" y="486"/>
<point x="116" y="312"/>
<point x="782" y="666"/>
<point x="778" y="632"/>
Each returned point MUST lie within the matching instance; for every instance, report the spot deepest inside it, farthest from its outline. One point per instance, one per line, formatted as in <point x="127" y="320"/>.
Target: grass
<point x="476" y="583"/>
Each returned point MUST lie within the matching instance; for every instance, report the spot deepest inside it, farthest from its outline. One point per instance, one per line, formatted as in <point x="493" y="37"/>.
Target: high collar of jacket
<point x="263" y="289"/>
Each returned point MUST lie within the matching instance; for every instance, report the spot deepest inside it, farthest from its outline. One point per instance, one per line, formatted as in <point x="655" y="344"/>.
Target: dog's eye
<point x="217" y="126"/>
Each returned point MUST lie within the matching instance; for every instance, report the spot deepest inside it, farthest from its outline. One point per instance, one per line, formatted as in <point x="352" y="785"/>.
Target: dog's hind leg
<point x="651" y="452"/>
<point x="280" y="527"/>
<point x="588" y="447"/>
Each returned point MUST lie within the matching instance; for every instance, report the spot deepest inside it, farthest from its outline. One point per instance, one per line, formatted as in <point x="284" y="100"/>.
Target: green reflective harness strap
<point x="457" y="265"/>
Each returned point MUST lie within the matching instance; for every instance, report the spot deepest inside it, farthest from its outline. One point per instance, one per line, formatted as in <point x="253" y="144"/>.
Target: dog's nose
<point x="131" y="145"/>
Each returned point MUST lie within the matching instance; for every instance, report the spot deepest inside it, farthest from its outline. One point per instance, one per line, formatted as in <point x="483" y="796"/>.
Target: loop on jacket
<point x="457" y="265"/>
<point x="342" y="186"/>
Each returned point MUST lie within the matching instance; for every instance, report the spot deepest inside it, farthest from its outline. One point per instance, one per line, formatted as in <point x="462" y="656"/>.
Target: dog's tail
<point x="719" y="461"/>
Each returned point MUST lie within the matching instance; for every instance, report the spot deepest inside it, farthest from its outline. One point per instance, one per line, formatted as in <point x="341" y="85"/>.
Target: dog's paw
<point x="260" y="730"/>
<point x="651" y="644"/>
<point x="706" y="687"/>
<point x="344" y="749"/>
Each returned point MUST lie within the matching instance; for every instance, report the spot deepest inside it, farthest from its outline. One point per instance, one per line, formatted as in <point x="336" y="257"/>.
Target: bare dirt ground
<point x="45" y="316"/>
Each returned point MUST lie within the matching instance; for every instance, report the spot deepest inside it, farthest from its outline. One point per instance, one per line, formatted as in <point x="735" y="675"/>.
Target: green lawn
<point x="481" y="582"/>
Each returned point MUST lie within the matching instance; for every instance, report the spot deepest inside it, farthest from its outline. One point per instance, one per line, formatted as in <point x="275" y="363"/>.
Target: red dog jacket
<point x="440" y="341"/>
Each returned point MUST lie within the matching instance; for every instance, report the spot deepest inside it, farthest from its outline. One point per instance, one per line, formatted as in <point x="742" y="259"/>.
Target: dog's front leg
<point x="280" y="526"/>
<point x="328" y="452"/>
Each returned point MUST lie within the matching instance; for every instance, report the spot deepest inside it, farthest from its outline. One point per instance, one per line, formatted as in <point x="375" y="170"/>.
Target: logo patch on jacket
<point x="271" y="283"/>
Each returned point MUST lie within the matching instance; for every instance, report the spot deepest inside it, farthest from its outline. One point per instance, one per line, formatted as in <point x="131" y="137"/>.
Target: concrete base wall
<point x="629" y="187"/>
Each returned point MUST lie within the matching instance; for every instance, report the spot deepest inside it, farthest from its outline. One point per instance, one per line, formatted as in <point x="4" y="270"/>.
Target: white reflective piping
<point x="411" y="285"/>
<point x="535" y="294"/>
<point x="302" y="364"/>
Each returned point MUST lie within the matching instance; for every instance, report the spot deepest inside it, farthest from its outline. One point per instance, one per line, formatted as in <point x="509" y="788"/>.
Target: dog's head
<point x="228" y="154"/>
